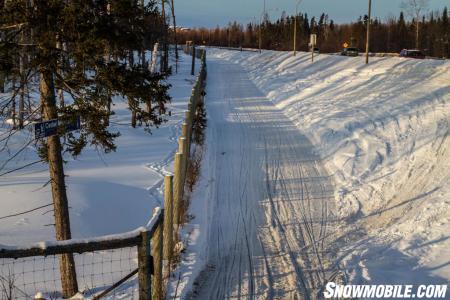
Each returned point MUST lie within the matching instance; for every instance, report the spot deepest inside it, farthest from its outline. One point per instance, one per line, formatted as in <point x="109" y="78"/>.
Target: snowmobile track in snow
<point x="271" y="215"/>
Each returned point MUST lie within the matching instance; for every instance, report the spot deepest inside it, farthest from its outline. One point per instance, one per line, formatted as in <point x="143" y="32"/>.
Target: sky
<point x="210" y="13"/>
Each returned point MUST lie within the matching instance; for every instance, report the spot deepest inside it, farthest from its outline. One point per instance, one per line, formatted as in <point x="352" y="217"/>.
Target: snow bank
<point x="98" y="239"/>
<point x="383" y="132"/>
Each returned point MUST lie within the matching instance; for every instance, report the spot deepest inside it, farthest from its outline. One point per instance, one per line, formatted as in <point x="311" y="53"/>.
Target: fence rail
<point x="242" y="49"/>
<point x="32" y="272"/>
<point x="73" y="246"/>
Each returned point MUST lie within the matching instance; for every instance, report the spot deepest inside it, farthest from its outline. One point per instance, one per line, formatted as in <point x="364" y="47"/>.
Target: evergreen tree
<point x="306" y="27"/>
<point x="392" y="35"/>
<point x="445" y="34"/>
<point x="91" y="32"/>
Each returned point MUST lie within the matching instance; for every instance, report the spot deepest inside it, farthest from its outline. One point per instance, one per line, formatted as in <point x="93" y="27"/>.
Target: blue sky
<point x="209" y="13"/>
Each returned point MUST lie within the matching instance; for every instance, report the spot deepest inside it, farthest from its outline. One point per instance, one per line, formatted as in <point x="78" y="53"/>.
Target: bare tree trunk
<point x="56" y="168"/>
<point x="164" y="60"/>
<point x="131" y="59"/>
<point x="154" y="60"/>
<point x="13" y="112"/>
<point x="29" y="104"/>
<point x="108" y="109"/>
<point x="22" y="84"/>
<point x="131" y="105"/>
<point x="142" y="54"/>
<point x="133" y="112"/>
<point x="152" y="68"/>
<point x="22" y="99"/>
<point x="60" y="66"/>
<point x="108" y="106"/>
<point x="161" y="60"/>
<point x="148" y="106"/>
<point x="2" y="81"/>
<point x="166" y="57"/>
<point x="175" y="36"/>
<point x="108" y="60"/>
<point x="417" y="33"/>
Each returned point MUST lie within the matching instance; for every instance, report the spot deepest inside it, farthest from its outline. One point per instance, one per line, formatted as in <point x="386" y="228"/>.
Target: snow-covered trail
<point x="270" y="200"/>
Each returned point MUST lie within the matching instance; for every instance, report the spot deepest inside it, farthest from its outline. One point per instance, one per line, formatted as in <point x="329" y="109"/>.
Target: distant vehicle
<point x="412" y="53"/>
<point x="350" y="52"/>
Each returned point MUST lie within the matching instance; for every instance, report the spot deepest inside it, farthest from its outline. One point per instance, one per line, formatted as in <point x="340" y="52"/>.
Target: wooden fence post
<point x="190" y="109"/>
<point x="182" y="145"/>
<point x="177" y="187"/>
<point x="182" y="148"/>
<point x="197" y="91"/>
<point x="193" y="61"/>
<point x="144" y="266"/>
<point x="188" y="119"/>
<point x="184" y="129"/>
<point x="193" y="92"/>
<point x="168" y="219"/>
<point x="157" y="253"/>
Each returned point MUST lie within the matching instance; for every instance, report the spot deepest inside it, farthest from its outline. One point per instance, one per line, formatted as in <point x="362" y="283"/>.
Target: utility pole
<point x="368" y="32"/>
<point x="175" y="34"/>
<point x="295" y="27"/>
<point x="260" y="24"/>
<point x="313" y="42"/>
<point x="259" y="36"/>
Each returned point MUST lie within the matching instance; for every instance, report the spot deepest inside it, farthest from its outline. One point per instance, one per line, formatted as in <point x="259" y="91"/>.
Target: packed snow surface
<point x="359" y="152"/>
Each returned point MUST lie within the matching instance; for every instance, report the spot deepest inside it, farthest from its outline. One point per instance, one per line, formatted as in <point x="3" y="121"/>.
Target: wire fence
<point x="118" y="266"/>
<point x="39" y="276"/>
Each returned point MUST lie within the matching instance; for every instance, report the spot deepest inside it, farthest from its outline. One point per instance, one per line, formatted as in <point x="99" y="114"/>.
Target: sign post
<point x="50" y="127"/>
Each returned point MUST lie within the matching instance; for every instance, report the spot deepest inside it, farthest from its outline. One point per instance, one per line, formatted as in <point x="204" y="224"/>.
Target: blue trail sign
<point x="50" y="127"/>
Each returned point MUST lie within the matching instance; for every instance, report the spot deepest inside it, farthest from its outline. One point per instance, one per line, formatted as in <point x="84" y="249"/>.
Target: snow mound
<point x="382" y="130"/>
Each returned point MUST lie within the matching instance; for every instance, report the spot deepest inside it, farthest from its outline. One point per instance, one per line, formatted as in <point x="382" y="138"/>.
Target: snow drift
<point x="383" y="132"/>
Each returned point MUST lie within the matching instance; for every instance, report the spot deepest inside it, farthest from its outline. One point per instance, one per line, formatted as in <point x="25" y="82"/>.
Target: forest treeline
<point x="390" y="35"/>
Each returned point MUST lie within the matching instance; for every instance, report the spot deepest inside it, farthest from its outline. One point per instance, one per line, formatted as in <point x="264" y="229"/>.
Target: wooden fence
<point x="155" y="242"/>
<point x="149" y="258"/>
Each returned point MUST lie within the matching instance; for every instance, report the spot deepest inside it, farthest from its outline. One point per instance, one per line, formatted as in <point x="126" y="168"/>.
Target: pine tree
<point x="306" y="27"/>
<point x="88" y="29"/>
<point x="445" y="34"/>
<point x="402" y="33"/>
<point x="392" y="35"/>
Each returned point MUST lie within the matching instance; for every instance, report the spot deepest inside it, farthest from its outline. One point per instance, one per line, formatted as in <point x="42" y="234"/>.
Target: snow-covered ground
<point x="264" y="196"/>
<point x="382" y="132"/>
<point x="108" y="193"/>
<point x="277" y="126"/>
